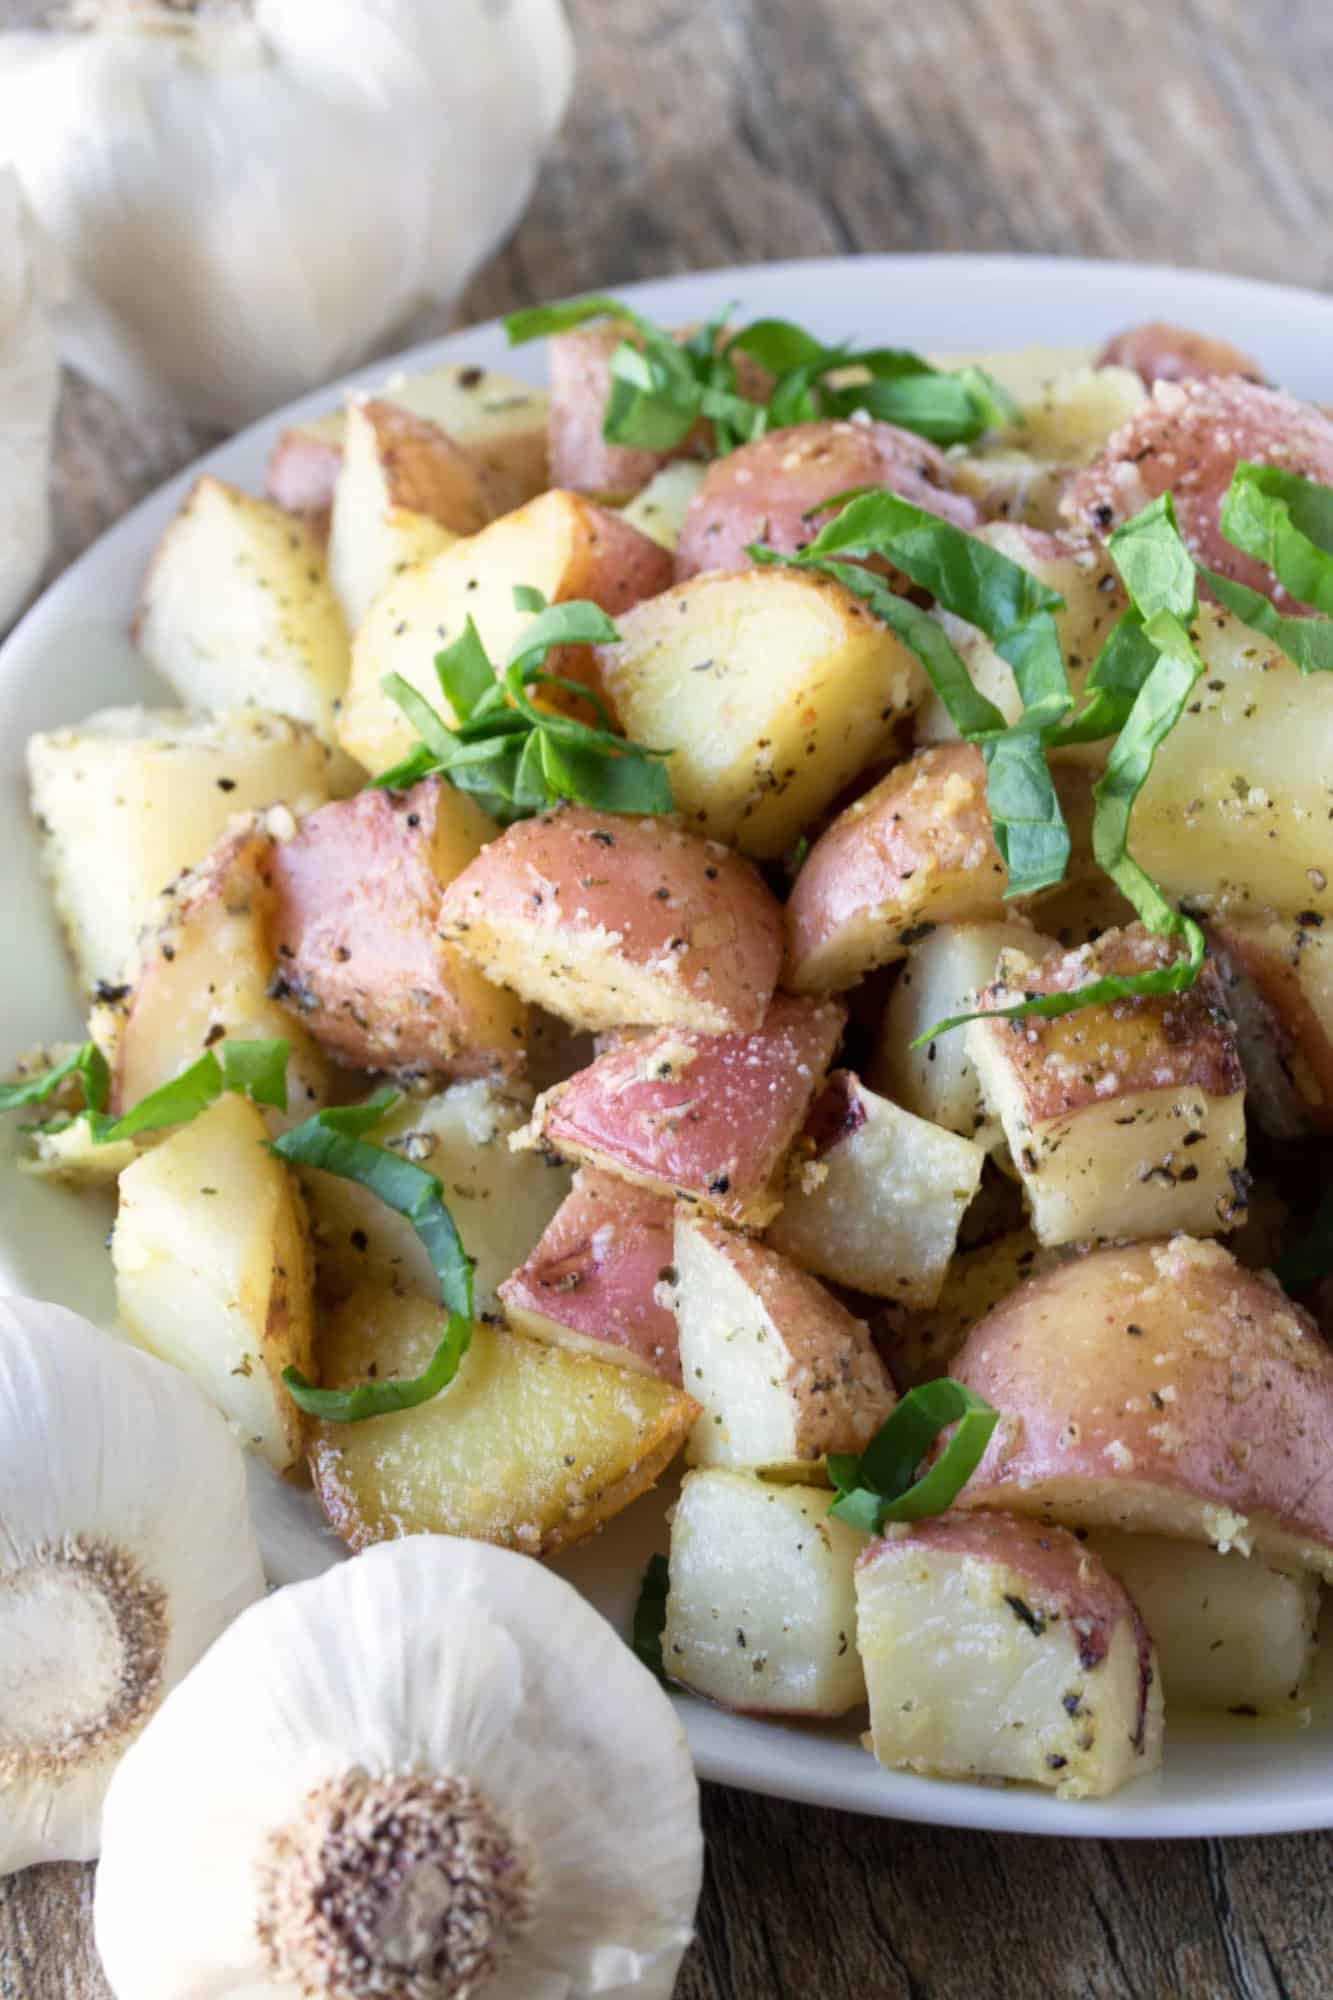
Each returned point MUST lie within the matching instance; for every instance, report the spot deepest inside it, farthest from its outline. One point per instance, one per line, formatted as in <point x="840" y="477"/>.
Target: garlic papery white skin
<point x="29" y="384"/>
<point x="125" y="1548"/>
<point x="433" y="1771"/>
<point x="252" y="195"/>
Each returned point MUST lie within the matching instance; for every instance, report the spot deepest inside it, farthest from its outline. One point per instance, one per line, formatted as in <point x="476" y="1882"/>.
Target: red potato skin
<point x="580" y="457"/>
<point x="709" y="1118"/>
<point x="599" y="1271"/>
<point x="764" y="490"/>
<point x="1061" y="1578"/>
<point x="301" y="474"/>
<point x="673" y="899"/>
<point x="1165" y="1365"/>
<point x="1269" y="954"/>
<point x="1187" y="440"/>
<point x="875" y="847"/>
<point x="1159" y="352"/>
<point x="360" y="960"/>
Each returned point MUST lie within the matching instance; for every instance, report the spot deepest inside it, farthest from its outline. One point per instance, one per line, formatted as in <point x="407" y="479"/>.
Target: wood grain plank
<point x="743" y="130"/>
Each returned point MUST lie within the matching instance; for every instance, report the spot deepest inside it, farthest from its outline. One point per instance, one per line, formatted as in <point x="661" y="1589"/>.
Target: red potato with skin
<point x="360" y="959"/>
<point x="1186" y="441"/>
<point x="915" y="851"/>
<point x="1277" y="974"/>
<point x="764" y="491"/>
<point x="595" y="1281"/>
<point x="609" y="920"/>
<point x="709" y="1118"/>
<point x="1160" y="352"/>
<point x="996" y="1648"/>
<point x="1163" y="1388"/>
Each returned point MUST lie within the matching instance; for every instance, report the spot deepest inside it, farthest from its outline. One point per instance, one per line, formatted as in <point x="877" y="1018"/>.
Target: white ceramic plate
<point x="70" y="656"/>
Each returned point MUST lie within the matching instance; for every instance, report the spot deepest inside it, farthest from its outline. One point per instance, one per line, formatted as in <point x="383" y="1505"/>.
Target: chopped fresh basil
<point x="661" y="387"/>
<point x="253" y="1069"/>
<point x="514" y="758"/>
<point x="333" y="1140"/>
<point x="650" y="1615"/>
<point x="886" y="1482"/>
<point x="1286" y="522"/>
<point x="1307" y="641"/>
<point x="86" y="1062"/>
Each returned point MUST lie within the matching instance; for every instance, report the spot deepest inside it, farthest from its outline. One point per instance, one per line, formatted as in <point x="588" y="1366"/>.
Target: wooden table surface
<point x="709" y="132"/>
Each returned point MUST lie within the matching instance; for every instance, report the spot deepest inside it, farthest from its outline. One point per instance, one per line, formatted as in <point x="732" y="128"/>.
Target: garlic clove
<point x="537" y="1788"/>
<point x="127" y="1547"/>
<point x="29" y="383"/>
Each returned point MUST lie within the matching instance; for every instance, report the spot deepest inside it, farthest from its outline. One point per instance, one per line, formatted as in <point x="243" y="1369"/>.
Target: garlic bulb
<point x="432" y="1772"/>
<point x="29" y="381"/>
<point x="254" y="194"/>
<point x="126" y="1548"/>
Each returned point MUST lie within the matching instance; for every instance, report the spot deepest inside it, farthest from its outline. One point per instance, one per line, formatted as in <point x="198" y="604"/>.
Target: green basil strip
<point x="464" y="671"/>
<point x="650" y="1615"/>
<point x="883" y="1485"/>
<point x="540" y="322"/>
<point x="1311" y="1259"/>
<point x="253" y="1069"/>
<point x="1285" y="521"/>
<point x="86" y="1062"/>
<point x="1306" y="641"/>
<point x="332" y="1141"/>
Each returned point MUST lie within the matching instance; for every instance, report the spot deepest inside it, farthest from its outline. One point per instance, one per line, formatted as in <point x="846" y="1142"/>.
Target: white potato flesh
<point x="501" y="420"/>
<point x="783" y="1372"/>
<point x="761" y="1613"/>
<point x="1231" y="1633"/>
<point x="659" y="510"/>
<point x="237" y="608"/>
<point x="132" y="796"/>
<point x="212" y="1270"/>
<point x="1012" y="1654"/>
<point x="1068" y="409"/>
<point x="396" y="503"/>
<point x="74" y="1157"/>
<point x="501" y="1200"/>
<point x="941" y="978"/>
<point x="878" y="1204"/>
<point x="1125" y="1119"/>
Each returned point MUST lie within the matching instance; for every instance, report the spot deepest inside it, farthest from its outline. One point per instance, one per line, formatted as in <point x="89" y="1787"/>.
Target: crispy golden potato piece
<point x="607" y="920"/>
<point x="995" y="1648"/>
<point x="361" y="960"/>
<point x="771" y="688"/>
<point x="132" y="796"/>
<point x="530" y="1446"/>
<point x="237" y="608"/>
<point x="560" y="544"/>
<point x="1125" y="1119"/>
<point x="761" y="1613"/>
<point x="213" y="1272"/>
<point x="1159" y="1387"/>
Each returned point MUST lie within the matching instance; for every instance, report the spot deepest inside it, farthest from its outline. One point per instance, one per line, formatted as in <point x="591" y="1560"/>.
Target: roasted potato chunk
<point x="405" y="492"/>
<point x="995" y="1648"/>
<point x="710" y="1118"/>
<point x="1159" y="1387"/>
<point x="761" y="1613"/>
<point x="132" y="796"/>
<point x="1125" y="1119"/>
<point x="771" y="689"/>
<point x="1158" y="352"/>
<point x="606" y="920"/>
<point x="530" y="1446"/>
<point x="783" y="1372"/>
<point x="213" y="1273"/>
<point x="599" y="1279"/>
<point x="500" y="1199"/>
<point x="1278" y="980"/>
<point x="362" y="963"/>
<point x="659" y="511"/>
<point x="874" y="1196"/>
<point x="237" y="608"/>
<point x="919" y="1342"/>
<point x="559" y="544"/>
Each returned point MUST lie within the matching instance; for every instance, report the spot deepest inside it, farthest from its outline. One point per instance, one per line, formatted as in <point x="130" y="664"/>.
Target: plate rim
<point x="747" y="1752"/>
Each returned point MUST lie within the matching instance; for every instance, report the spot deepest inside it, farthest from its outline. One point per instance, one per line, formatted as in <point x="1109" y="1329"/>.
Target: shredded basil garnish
<point x="662" y="387"/>
<point x="334" y="1141"/>
<point x="514" y="758"/>
<point x="86" y="1062"/>
<point x="886" y="1484"/>
<point x="253" y="1069"/>
<point x="650" y="1616"/>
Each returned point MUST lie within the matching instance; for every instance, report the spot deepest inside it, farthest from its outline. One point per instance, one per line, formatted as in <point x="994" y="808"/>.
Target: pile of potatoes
<point x="717" y="1203"/>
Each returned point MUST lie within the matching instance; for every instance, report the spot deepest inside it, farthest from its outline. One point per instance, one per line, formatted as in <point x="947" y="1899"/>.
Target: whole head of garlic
<point x="29" y="381"/>
<point x="252" y="195"/>
<point x="435" y="1771"/>
<point x="126" y="1547"/>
